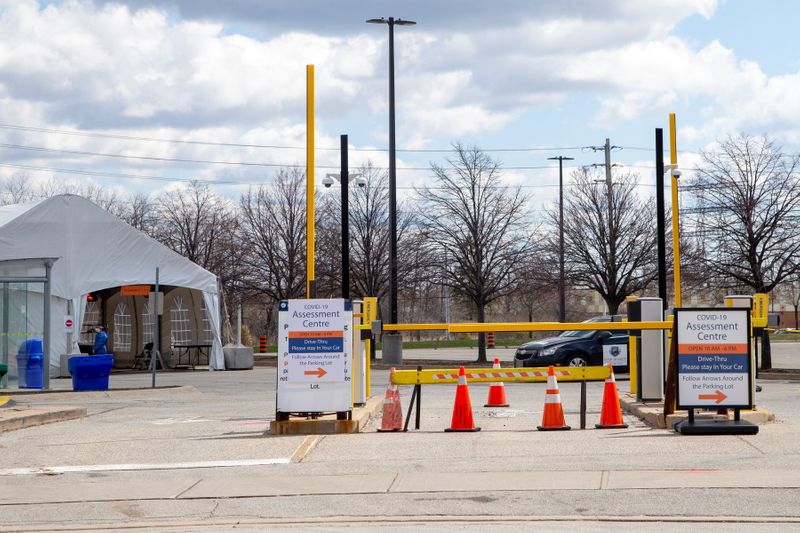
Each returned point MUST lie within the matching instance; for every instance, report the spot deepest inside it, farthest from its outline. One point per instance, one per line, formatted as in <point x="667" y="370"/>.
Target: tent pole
<point x="48" y="267"/>
<point x="154" y="354"/>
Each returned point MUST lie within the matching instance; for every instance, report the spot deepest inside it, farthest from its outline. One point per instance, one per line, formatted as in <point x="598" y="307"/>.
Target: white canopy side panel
<point x="58" y="339"/>
<point x="216" y="360"/>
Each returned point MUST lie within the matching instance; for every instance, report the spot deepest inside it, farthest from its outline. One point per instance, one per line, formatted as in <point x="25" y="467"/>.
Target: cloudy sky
<point x="106" y="88"/>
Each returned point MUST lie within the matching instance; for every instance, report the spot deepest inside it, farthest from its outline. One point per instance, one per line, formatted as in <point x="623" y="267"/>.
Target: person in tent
<point x="100" y="341"/>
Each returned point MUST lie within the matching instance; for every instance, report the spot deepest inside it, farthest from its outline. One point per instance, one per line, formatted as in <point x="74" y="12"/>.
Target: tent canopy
<point x="95" y="251"/>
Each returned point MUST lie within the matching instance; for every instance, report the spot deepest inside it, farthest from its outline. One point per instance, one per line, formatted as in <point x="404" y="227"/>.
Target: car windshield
<point x="577" y="334"/>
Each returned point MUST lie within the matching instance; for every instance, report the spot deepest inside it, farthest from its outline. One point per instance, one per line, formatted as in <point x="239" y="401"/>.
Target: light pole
<point x="392" y="343"/>
<point x="342" y="178"/>
<point x="562" y="300"/>
<point x="392" y="22"/>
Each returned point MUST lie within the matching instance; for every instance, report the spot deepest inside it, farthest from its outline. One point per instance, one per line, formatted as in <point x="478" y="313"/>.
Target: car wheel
<point x="578" y="361"/>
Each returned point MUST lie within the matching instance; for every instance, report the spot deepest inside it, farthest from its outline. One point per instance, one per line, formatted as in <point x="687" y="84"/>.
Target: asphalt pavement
<point x="195" y="457"/>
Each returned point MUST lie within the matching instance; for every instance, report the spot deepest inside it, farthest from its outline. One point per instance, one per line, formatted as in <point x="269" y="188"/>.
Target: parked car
<point x="574" y="348"/>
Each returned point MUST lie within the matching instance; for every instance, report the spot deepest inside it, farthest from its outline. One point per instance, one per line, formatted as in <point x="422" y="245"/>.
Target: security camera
<point x="676" y="172"/>
<point x="327" y="181"/>
<point x="361" y="182"/>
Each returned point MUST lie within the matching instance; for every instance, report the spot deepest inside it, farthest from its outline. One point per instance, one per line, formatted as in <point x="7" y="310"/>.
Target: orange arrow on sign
<point x="719" y="396"/>
<point x="318" y="372"/>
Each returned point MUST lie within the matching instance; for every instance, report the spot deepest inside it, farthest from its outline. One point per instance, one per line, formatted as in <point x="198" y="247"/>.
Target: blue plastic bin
<point x="30" y="357"/>
<point x="90" y="372"/>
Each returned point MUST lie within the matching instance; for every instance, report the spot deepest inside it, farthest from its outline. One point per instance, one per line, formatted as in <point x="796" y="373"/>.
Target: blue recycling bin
<point x="90" y="372"/>
<point x="30" y="358"/>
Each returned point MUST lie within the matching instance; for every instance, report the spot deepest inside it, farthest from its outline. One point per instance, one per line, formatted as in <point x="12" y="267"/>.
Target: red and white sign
<point x="69" y="326"/>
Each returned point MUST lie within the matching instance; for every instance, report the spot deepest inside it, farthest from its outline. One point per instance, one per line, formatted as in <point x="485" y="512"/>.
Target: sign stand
<point x="314" y="375"/>
<point x="714" y="368"/>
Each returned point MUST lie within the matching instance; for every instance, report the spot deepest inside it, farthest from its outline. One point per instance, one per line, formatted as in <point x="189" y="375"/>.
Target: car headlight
<point x="550" y="351"/>
<point x="524" y="352"/>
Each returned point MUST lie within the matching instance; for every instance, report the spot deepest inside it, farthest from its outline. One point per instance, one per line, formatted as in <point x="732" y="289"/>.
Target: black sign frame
<point x="676" y="340"/>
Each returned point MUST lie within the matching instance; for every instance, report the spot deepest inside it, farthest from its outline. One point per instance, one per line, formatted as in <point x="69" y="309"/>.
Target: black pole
<point x="660" y="222"/>
<point x="345" y="221"/>
<point x="562" y="298"/>
<point x="392" y="186"/>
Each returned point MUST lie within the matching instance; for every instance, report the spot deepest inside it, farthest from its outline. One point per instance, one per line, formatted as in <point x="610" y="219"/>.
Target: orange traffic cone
<point x="611" y="413"/>
<point x="497" y="392"/>
<point x="553" y="418"/>
<point x="392" y="410"/>
<point x="462" y="410"/>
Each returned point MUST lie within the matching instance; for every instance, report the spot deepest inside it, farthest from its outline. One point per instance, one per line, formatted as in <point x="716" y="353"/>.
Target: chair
<point x="142" y="361"/>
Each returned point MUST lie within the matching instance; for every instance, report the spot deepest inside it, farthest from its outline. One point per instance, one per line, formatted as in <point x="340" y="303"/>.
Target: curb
<point x="652" y="413"/>
<point x="15" y="418"/>
<point x="28" y="394"/>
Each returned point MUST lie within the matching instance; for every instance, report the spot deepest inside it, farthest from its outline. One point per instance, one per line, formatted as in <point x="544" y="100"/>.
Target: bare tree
<point x="610" y="237"/>
<point x="749" y="193"/>
<point x="369" y="237"/>
<point x="480" y="224"/>
<point x="201" y="226"/>
<point x="17" y="189"/>
<point x="139" y="211"/>
<point x="273" y="224"/>
<point x="94" y="192"/>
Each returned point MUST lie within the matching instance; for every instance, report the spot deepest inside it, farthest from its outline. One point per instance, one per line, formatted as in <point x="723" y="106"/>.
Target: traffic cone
<point x="462" y="410"/>
<point x="611" y="413"/>
<point x="392" y="410"/>
<point x="497" y="392"/>
<point x="553" y="417"/>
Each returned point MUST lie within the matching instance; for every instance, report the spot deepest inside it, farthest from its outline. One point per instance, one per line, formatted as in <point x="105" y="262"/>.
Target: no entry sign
<point x="714" y="366"/>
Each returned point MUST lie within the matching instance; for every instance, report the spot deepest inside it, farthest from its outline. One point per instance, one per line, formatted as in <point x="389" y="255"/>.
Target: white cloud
<point x="147" y="72"/>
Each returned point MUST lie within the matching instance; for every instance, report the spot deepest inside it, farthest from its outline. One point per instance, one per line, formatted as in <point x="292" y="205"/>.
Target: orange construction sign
<point x="135" y="290"/>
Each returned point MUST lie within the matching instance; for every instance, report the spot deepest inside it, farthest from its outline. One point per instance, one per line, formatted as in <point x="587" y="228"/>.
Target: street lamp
<point x="562" y="313"/>
<point x="342" y="178"/>
<point x="392" y="22"/>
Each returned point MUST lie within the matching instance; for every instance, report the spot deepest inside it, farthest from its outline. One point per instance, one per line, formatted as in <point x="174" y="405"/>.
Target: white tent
<point x="96" y="251"/>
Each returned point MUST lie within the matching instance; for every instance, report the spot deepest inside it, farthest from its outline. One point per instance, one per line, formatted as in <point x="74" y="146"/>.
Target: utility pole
<point x="562" y="299"/>
<point x="612" y="247"/>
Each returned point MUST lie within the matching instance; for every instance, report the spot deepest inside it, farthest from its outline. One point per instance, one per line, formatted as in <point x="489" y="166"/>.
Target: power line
<point x="273" y="146"/>
<point x="121" y="175"/>
<point x="214" y="162"/>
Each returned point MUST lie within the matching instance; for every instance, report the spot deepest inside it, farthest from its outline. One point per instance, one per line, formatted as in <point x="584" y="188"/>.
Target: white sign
<point x="69" y="324"/>
<point x="314" y="349"/>
<point x="615" y="354"/>
<point x="713" y="358"/>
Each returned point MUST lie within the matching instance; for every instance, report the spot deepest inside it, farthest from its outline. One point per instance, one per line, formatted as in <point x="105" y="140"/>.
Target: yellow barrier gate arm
<point x="474" y="327"/>
<point x="420" y="377"/>
<point x="508" y="375"/>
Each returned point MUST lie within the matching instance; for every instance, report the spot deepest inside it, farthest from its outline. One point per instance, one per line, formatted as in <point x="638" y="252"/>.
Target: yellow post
<point x="310" y="280"/>
<point x="676" y="247"/>
<point x="632" y="365"/>
<point x="370" y="315"/>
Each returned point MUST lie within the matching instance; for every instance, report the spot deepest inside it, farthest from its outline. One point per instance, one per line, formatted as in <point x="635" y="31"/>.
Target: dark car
<point x="575" y="348"/>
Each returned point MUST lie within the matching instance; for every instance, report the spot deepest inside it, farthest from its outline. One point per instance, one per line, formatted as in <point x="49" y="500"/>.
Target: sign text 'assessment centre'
<point x="713" y="358"/>
<point x="314" y="350"/>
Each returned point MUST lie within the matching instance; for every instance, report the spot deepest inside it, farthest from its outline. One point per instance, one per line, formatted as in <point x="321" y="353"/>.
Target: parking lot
<point x="196" y="456"/>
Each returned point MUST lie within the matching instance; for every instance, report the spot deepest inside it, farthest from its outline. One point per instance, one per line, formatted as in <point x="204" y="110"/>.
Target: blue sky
<point x="500" y="75"/>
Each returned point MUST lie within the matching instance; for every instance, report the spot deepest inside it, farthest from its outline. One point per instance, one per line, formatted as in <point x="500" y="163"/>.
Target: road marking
<point x="308" y="444"/>
<point x="141" y="466"/>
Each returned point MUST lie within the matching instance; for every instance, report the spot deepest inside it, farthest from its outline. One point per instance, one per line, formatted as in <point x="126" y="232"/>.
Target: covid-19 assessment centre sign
<point x="714" y="363"/>
<point x="314" y="350"/>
